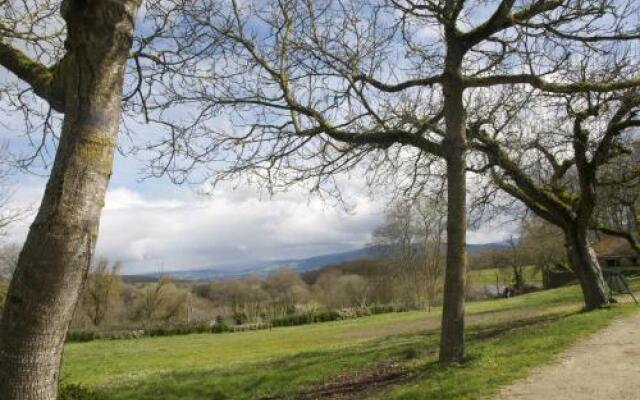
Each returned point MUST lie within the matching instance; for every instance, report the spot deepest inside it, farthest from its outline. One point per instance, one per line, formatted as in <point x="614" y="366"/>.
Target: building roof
<point x="613" y="246"/>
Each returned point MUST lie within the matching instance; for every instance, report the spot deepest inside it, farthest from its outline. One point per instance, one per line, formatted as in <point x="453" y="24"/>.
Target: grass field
<point x="488" y="276"/>
<point x="389" y="356"/>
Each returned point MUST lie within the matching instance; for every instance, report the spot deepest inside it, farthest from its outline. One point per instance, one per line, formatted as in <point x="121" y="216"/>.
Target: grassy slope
<point x="505" y="338"/>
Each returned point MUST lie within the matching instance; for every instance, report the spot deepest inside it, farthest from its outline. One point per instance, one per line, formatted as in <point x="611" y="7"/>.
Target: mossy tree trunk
<point x="54" y="261"/>
<point x="584" y="263"/>
<point x="572" y="211"/>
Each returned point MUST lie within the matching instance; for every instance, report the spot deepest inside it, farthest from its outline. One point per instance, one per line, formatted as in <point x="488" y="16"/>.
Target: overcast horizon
<point x="153" y="225"/>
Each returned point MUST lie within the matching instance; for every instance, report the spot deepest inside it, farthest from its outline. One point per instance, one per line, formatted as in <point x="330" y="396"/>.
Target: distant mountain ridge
<point x="299" y="265"/>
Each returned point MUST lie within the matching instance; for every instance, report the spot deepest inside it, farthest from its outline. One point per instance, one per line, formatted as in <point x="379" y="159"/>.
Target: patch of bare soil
<point x="602" y="367"/>
<point x="352" y="386"/>
<point x="357" y="386"/>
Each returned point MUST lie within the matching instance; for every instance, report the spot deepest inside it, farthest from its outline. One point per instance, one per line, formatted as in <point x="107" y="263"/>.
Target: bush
<point x="389" y="309"/>
<point x="240" y="318"/>
<point x="327" y="316"/>
<point x="309" y="318"/>
<point x="172" y="330"/>
<point x="77" y="392"/>
<point x="167" y="330"/>
<point x="219" y="327"/>
<point x="81" y="336"/>
<point x="250" y="327"/>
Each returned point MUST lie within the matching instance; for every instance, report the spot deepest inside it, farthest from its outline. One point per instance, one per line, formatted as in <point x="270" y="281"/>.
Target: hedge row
<point x="304" y="319"/>
<point x="347" y="313"/>
<point x="172" y="330"/>
<point x="221" y="327"/>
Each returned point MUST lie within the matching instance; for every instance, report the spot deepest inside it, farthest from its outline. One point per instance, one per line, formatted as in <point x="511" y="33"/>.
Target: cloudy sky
<point x="153" y="225"/>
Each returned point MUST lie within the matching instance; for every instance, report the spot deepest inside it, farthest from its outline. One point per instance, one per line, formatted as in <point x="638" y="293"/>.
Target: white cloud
<point x="195" y="231"/>
<point x="178" y="229"/>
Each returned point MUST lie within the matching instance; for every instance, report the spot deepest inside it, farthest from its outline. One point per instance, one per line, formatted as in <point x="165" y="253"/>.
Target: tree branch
<point x="502" y="19"/>
<point x="539" y="83"/>
<point x="392" y="88"/>
<point x="624" y="235"/>
<point x="40" y="78"/>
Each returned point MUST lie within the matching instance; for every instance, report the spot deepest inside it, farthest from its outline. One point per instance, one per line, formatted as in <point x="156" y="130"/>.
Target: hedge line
<point x="76" y="336"/>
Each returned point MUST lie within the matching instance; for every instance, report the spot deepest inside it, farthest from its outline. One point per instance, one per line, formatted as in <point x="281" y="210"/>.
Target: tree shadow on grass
<point x="281" y="378"/>
<point x="333" y="374"/>
<point x="484" y="332"/>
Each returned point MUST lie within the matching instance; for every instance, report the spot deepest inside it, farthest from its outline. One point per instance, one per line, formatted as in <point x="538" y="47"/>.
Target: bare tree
<point x="314" y="88"/>
<point x="103" y="284"/>
<point x="432" y="215"/>
<point x="412" y="239"/>
<point x="552" y="166"/>
<point x="358" y="289"/>
<point x="160" y="301"/>
<point x="336" y="290"/>
<point x="8" y="260"/>
<point x="8" y="263"/>
<point x="286" y="289"/>
<point x="618" y="206"/>
<point x="398" y="238"/>
<point x="8" y="214"/>
<point x="84" y="83"/>
<point x="516" y="264"/>
<point x="542" y="244"/>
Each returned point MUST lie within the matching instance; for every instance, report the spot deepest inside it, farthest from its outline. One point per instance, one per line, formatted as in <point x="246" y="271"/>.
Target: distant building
<point x="613" y="251"/>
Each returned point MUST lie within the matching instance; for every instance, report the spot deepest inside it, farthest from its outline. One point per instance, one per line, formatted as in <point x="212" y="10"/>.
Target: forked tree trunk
<point x="55" y="258"/>
<point x="584" y="264"/>
<point x="452" y="333"/>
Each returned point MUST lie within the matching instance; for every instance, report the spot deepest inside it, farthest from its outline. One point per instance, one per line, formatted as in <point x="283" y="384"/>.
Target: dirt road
<point x="604" y="366"/>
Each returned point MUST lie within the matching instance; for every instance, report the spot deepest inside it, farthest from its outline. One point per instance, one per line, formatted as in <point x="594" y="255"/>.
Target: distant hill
<point x="300" y="265"/>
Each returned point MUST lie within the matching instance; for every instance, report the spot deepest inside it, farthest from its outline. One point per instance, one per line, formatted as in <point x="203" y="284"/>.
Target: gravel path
<point x="604" y="366"/>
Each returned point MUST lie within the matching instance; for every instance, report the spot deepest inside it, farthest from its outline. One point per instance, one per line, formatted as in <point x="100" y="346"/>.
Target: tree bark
<point x="452" y="333"/>
<point x="54" y="261"/>
<point x="584" y="264"/>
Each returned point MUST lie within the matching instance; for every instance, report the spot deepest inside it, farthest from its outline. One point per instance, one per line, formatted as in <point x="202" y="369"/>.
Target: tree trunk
<point x="452" y="333"/>
<point x="54" y="261"/>
<point x="518" y="279"/>
<point x="584" y="264"/>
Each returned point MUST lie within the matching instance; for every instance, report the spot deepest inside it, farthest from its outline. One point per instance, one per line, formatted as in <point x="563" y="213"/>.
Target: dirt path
<point x="604" y="366"/>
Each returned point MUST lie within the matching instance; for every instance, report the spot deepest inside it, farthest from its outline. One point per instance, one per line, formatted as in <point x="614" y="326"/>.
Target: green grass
<point x="505" y="338"/>
<point x="499" y="360"/>
<point x="487" y="277"/>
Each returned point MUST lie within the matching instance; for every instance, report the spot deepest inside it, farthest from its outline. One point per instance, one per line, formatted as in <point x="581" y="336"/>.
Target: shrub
<point x="389" y="309"/>
<point x="171" y="330"/>
<point x="249" y="327"/>
<point x="327" y="316"/>
<point x="240" y="318"/>
<point x="219" y="327"/>
<point x="81" y="336"/>
<point x="167" y="330"/>
<point x="308" y="318"/>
